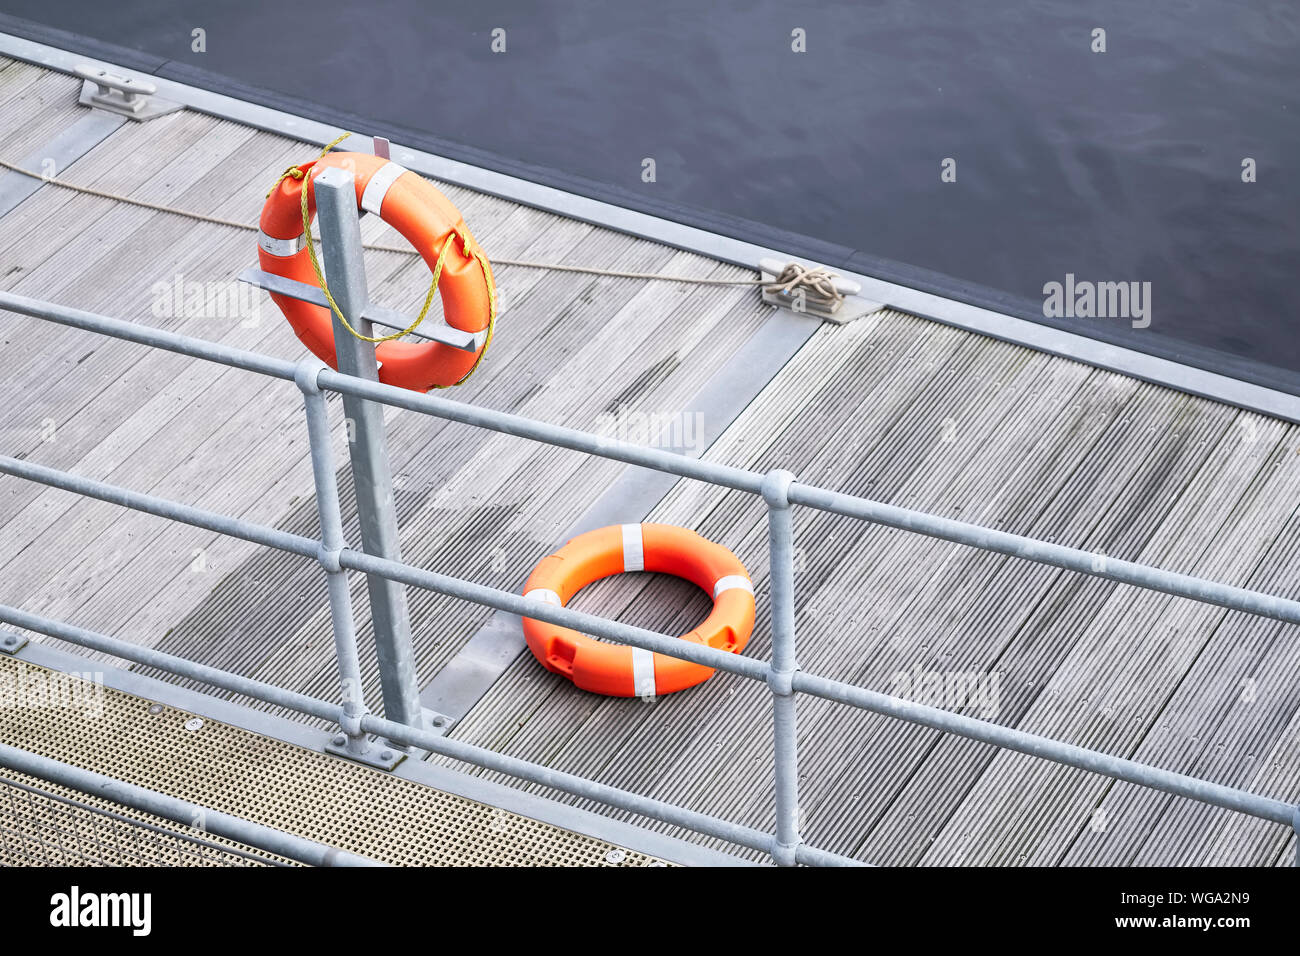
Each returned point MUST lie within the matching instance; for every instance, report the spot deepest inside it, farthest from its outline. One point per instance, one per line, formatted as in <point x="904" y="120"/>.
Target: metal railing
<point x="118" y="833"/>
<point x="779" y="491"/>
<point x="362" y="395"/>
<point x="40" y="827"/>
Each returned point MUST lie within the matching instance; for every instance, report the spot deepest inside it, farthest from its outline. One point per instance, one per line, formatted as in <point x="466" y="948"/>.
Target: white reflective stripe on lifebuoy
<point x="633" y="548"/>
<point x="643" y="672"/>
<point x="372" y="199"/>
<point x="281" y="248"/>
<point x="732" y="581"/>
<point x="545" y="595"/>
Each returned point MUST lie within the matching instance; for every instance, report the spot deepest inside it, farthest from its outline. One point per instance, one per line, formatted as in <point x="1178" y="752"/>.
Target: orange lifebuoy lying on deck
<point x="429" y="222"/>
<point x="618" y="670"/>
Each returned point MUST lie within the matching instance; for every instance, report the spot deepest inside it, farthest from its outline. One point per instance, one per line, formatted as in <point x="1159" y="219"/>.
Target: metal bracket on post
<point x="431" y="330"/>
<point x="380" y="755"/>
<point x="336" y="203"/>
<point x="123" y="95"/>
<point x="11" y="643"/>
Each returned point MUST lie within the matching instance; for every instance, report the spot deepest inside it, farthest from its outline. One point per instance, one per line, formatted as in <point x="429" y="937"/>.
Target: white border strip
<point x="280" y="248"/>
<point x="732" y="582"/>
<point x="372" y="199"/>
<point x="1043" y="338"/>
<point x="545" y="595"/>
<point x="643" y="673"/>
<point x="633" y="548"/>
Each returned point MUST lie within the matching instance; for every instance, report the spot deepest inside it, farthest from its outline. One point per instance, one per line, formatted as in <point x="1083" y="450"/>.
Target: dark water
<point x="1117" y="166"/>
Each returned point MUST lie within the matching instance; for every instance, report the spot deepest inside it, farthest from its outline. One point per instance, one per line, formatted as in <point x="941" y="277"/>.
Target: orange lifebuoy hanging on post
<point x="618" y="670"/>
<point x="429" y="222"/>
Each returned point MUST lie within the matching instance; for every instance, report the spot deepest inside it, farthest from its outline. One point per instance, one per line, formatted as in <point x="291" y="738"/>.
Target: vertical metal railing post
<point x="336" y="202"/>
<point x="355" y="742"/>
<point x="1295" y="828"/>
<point x="785" y="733"/>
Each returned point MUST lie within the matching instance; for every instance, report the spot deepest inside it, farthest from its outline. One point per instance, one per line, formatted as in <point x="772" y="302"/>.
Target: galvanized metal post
<point x="785" y="734"/>
<point x="352" y="742"/>
<point x="336" y="204"/>
<point x="1295" y="828"/>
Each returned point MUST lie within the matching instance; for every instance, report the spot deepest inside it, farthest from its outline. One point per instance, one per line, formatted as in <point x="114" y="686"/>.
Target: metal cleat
<point x="124" y="95"/>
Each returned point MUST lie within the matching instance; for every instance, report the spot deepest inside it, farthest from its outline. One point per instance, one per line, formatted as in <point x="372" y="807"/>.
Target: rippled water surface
<point x="1114" y="167"/>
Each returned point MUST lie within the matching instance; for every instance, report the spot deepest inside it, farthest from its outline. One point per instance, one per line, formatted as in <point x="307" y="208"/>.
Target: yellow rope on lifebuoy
<point x="297" y="172"/>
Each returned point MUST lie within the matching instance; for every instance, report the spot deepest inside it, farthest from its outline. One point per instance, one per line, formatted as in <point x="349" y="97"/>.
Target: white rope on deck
<point x="816" y="281"/>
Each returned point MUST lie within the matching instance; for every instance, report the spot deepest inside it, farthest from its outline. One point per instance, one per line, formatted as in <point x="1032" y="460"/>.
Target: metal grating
<point x="324" y="798"/>
<point x="42" y="824"/>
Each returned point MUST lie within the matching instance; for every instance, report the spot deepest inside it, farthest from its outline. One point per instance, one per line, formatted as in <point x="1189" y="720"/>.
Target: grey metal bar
<point x="180" y="811"/>
<point x="142" y="824"/>
<point x="332" y="542"/>
<point x="145" y="335"/>
<point x="566" y="617"/>
<point x="431" y="330"/>
<point x="336" y="203"/>
<point x="1230" y="798"/>
<point x="785" y="734"/>
<point x="1043" y="552"/>
<point x="580" y="786"/>
<point x="269" y="693"/>
<point x="163" y="508"/>
<point x="546" y="433"/>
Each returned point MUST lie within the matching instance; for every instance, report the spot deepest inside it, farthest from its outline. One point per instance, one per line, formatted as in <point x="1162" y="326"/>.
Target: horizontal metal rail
<point x="740" y="479"/>
<point x="131" y="824"/>
<point x="400" y="733"/>
<point x="1230" y="798"/>
<point x="778" y="489"/>
<point x="1044" y="552"/>
<point x="188" y="814"/>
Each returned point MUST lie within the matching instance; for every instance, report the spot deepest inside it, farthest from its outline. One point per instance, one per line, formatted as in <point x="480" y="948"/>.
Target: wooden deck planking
<point x="35" y="105"/>
<point x="893" y="407"/>
<point x="1226" y="721"/>
<point x="968" y="627"/>
<point x="1115" y="467"/>
<point x="1118" y="677"/>
<point x="697" y="505"/>
<point x="573" y="329"/>
<point x="169" y="427"/>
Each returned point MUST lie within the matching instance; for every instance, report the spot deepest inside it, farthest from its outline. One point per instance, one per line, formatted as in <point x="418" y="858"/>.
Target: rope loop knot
<point x="816" y="282"/>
